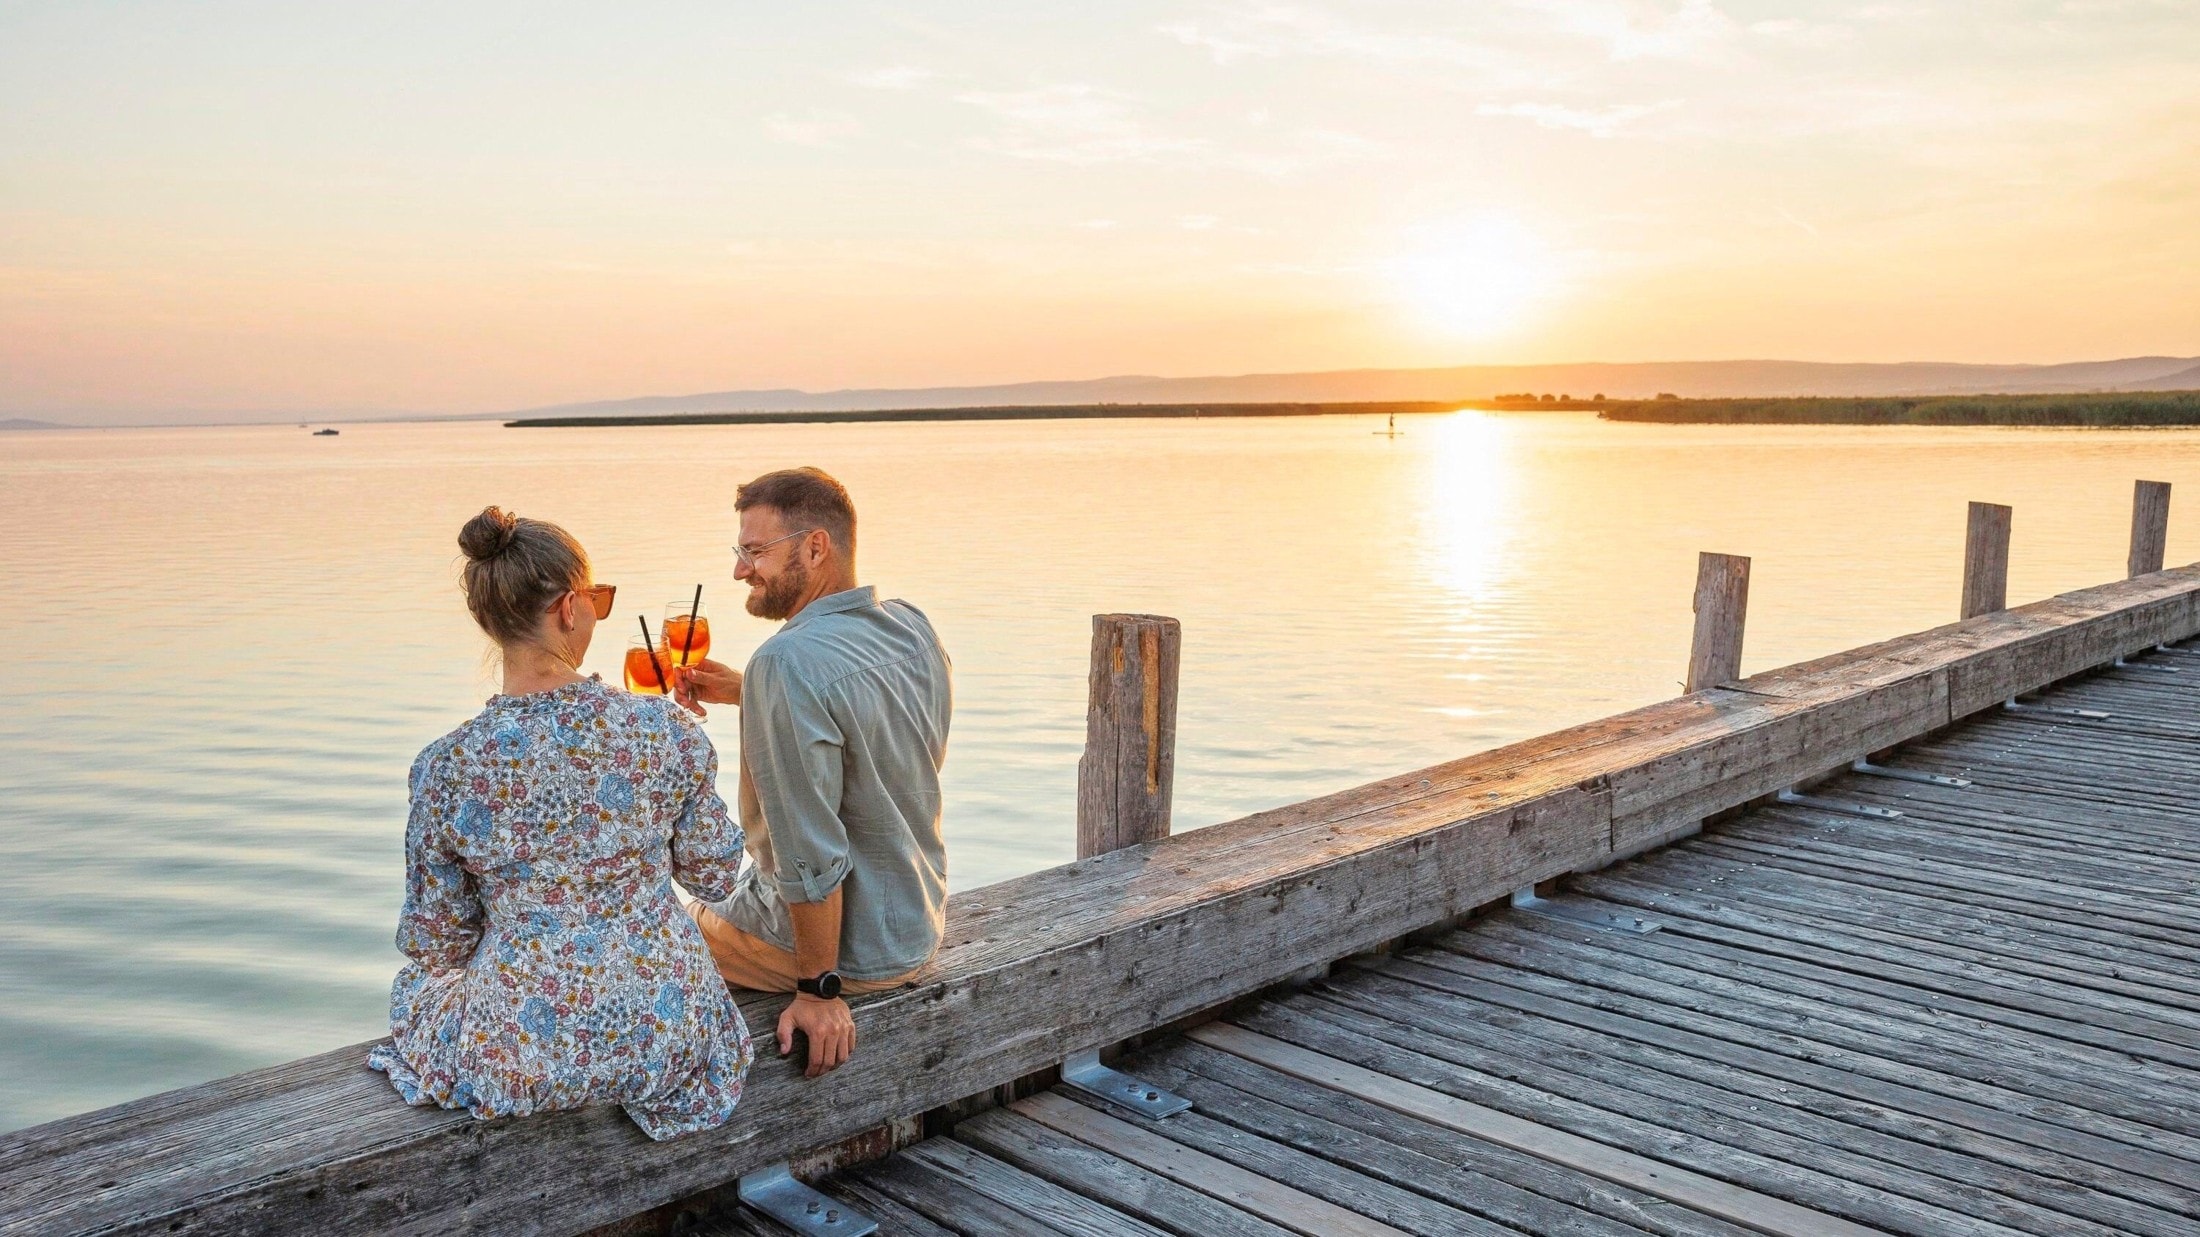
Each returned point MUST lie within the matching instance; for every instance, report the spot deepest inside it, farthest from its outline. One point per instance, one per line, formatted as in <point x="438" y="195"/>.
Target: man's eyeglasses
<point x="750" y="553"/>
<point x="600" y="596"/>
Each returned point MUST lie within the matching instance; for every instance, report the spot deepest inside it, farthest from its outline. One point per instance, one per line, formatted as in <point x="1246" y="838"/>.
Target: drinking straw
<point x="663" y="680"/>
<point x="687" y="634"/>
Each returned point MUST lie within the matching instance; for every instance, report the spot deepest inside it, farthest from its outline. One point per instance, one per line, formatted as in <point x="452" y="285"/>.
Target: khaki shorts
<point x="752" y="962"/>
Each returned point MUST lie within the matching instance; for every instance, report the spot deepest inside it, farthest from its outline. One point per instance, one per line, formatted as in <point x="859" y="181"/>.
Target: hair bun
<point x="486" y="535"/>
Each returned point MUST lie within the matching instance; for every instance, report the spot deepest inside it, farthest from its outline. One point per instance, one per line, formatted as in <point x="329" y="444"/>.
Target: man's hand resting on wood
<point x="831" y="1030"/>
<point x="706" y="682"/>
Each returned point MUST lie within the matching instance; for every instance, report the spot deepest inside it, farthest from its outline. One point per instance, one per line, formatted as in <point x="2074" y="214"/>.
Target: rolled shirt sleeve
<point x="794" y="752"/>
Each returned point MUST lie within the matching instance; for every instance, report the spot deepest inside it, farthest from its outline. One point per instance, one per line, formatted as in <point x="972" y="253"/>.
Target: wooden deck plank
<point x="1956" y="937"/>
<point x="2173" y="1037"/>
<point x="1043" y="1201"/>
<point x="1483" y="1165"/>
<point x="2075" y="937"/>
<point x="1363" y="1157"/>
<point x="1977" y="848"/>
<point x="1040" y="1151"/>
<point x="1956" y="1140"/>
<point x="1924" y="1023"/>
<point x="2141" y="913"/>
<point x="1315" y="1176"/>
<point x="891" y="1215"/>
<point x="1402" y="1082"/>
<point x="1735" y="1122"/>
<point x="945" y="1199"/>
<point x="1248" y="1191"/>
<point x="2055" y="922"/>
<point x="2133" y="990"/>
<point x="1739" y="1007"/>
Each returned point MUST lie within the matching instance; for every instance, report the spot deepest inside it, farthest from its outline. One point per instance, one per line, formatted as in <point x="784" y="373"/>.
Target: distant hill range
<point x="1621" y="380"/>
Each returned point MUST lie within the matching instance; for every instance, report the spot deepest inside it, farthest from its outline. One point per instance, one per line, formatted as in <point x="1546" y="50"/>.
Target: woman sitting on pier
<point x="551" y="963"/>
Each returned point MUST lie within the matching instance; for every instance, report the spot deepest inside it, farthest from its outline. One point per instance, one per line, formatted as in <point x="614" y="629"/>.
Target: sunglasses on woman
<point x="600" y="597"/>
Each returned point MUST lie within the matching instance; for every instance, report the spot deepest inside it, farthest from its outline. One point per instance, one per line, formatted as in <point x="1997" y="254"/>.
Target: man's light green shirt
<point x="844" y="717"/>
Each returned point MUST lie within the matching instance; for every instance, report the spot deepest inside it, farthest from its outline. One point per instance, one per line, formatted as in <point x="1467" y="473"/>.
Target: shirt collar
<point x="837" y="603"/>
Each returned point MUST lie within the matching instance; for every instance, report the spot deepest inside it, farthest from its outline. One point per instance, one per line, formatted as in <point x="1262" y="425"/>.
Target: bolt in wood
<point x="1722" y="604"/>
<point x="1986" y="560"/>
<point x="2149" y="527"/>
<point x="1125" y="775"/>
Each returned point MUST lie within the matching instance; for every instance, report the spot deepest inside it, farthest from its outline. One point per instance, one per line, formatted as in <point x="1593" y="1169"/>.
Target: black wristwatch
<point x="826" y="985"/>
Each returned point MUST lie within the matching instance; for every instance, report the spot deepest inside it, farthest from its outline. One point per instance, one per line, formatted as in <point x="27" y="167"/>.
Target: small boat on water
<point x="324" y="433"/>
<point x="1391" y="432"/>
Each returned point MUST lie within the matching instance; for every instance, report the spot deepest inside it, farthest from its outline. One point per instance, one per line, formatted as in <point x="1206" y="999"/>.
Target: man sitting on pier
<point x="844" y="715"/>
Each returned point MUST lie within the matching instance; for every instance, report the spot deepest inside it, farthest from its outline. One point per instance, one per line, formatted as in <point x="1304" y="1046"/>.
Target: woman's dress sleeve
<point x="441" y="924"/>
<point x="706" y="841"/>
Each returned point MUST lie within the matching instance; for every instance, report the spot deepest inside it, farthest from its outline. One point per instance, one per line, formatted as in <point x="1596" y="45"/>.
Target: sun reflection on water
<point x="1470" y="511"/>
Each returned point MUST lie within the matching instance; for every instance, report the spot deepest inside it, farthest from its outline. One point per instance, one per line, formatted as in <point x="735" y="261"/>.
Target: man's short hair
<point x="805" y="498"/>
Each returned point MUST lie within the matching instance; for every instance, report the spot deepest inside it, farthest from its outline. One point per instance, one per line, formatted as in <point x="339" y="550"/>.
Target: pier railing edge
<point x="1088" y="953"/>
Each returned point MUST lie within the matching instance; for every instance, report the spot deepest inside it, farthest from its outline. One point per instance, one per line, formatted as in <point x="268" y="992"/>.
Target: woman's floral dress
<point x="551" y="963"/>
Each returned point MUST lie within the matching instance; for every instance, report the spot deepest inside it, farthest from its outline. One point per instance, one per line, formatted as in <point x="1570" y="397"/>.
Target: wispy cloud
<point x="1280" y="30"/>
<point x="894" y="77"/>
<point x="1072" y="123"/>
<point x="812" y="129"/>
<point x="1602" y="122"/>
<point x="1635" y="30"/>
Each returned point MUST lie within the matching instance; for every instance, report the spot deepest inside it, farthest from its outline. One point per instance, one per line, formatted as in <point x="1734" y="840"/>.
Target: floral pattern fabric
<point x="552" y="964"/>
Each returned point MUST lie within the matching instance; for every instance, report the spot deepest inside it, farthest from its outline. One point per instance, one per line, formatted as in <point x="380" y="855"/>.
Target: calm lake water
<point x="224" y="646"/>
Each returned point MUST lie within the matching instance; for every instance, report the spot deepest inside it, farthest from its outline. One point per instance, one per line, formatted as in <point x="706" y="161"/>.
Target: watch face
<point x="828" y="985"/>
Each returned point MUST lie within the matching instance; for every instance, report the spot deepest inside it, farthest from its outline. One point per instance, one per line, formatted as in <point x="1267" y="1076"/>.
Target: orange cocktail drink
<point x="645" y="673"/>
<point x="685" y="642"/>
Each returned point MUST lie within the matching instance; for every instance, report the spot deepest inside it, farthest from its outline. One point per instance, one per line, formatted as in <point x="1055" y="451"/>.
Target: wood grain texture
<point x="1986" y="560"/>
<point x="2149" y="527"/>
<point x="1039" y="967"/>
<point x="1125" y="777"/>
<point x="1038" y="1150"/>
<point x="1241" y="1188"/>
<point x="1692" y="1190"/>
<point x="1722" y="608"/>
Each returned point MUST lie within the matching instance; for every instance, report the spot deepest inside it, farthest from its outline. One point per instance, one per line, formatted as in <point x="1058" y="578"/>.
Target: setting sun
<point x="1473" y="278"/>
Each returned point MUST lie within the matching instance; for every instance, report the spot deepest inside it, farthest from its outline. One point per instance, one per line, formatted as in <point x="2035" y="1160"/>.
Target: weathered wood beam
<point x="1038" y="967"/>
<point x="1125" y="777"/>
<point x="2149" y="527"/>
<point x="1722" y="608"/>
<point x="1986" y="560"/>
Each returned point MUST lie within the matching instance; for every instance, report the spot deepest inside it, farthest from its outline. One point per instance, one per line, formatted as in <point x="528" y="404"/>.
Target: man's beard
<point x="779" y="598"/>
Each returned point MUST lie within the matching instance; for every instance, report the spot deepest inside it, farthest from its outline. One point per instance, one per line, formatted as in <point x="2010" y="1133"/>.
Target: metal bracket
<point x="2121" y="664"/>
<point x="1836" y="805"/>
<point x="2051" y="710"/>
<point x="1907" y="775"/>
<point x="775" y="1192"/>
<point x="1525" y="899"/>
<point x="1085" y="1073"/>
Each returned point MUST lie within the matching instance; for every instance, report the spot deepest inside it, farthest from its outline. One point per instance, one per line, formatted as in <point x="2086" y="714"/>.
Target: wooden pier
<point x="1528" y="991"/>
<point x="1978" y="1018"/>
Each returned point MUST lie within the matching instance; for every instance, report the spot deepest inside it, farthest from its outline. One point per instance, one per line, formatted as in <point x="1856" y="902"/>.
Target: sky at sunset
<point x="469" y="206"/>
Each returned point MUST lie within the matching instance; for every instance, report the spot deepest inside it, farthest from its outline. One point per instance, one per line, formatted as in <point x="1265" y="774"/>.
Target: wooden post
<point x="1722" y="605"/>
<point x="2149" y="527"/>
<point x="1124" y="777"/>
<point x="1986" y="560"/>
